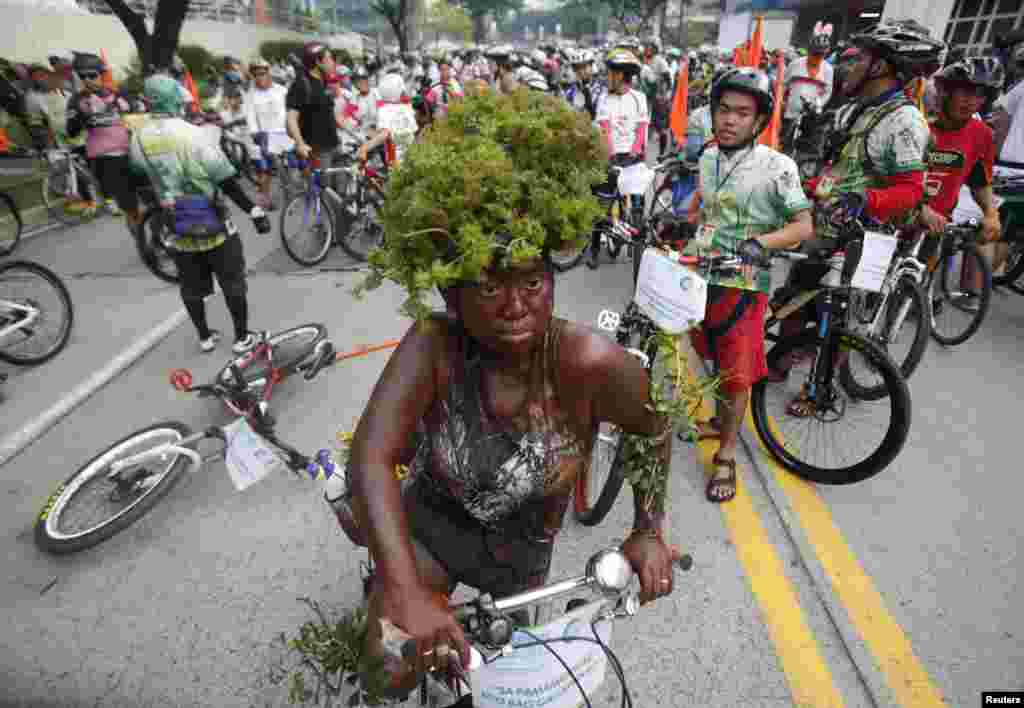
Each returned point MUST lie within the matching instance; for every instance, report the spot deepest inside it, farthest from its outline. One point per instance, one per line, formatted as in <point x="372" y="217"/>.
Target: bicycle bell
<point x="609" y="571"/>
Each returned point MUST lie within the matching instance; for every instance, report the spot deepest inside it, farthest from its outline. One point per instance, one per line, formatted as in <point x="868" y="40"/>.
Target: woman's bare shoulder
<point x="584" y="352"/>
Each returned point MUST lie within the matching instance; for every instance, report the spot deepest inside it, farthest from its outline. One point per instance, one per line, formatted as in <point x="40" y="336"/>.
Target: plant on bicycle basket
<point x="330" y="653"/>
<point x="501" y="176"/>
<point x="676" y="397"/>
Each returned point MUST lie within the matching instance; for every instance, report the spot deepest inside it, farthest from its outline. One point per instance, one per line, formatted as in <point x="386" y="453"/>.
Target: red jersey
<point x="957" y="158"/>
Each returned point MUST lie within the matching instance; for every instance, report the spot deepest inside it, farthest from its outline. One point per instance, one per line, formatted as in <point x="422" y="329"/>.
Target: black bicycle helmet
<point x="905" y="44"/>
<point x="623" y="60"/>
<point x="749" y="81"/>
<point x="312" y="53"/>
<point x="979" y="71"/>
<point x="87" y="63"/>
<point x="821" y="43"/>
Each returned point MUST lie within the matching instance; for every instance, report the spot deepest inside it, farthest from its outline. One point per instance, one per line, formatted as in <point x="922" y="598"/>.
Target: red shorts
<point x="739" y="352"/>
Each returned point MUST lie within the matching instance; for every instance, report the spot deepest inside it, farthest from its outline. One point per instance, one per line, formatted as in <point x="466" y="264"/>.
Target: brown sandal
<point x="717" y="483"/>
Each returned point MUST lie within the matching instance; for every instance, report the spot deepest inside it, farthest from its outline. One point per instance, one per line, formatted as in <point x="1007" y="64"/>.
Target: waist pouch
<point x="199" y="217"/>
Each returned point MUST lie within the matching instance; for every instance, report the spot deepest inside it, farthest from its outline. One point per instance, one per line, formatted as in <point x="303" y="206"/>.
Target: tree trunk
<point x="157" y="49"/>
<point x="480" y="28"/>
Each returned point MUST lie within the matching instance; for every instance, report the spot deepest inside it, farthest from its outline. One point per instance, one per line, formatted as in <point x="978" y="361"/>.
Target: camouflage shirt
<point x="754" y="191"/>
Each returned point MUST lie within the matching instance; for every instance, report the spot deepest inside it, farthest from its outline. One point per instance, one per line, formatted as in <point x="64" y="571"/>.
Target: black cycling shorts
<point x="227" y="262"/>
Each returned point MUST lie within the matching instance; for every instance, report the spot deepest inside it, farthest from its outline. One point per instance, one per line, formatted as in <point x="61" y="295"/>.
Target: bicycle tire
<point x="905" y="288"/>
<point x="10" y="224"/>
<point x="285" y="359"/>
<point x="55" y="197"/>
<point x="940" y="334"/>
<point x="325" y="222"/>
<point x="50" y="539"/>
<point x="898" y="394"/>
<point x="568" y="258"/>
<point x="67" y="321"/>
<point x="592" y="513"/>
<point x="150" y="245"/>
<point x="366" y="221"/>
<point x="1013" y="271"/>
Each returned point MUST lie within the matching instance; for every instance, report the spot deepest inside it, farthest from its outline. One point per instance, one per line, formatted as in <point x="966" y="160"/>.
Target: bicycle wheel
<point x="307" y="229"/>
<point x="959" y="307"/>
<point x="365" y="233"/>
<point x="88" y="508"/>
<point x="10" y="224"/>
<point x="1014" y="270"/>
<point x="149" y="241"/>
<point x="65" y="197"/>
<point x="907" y="307"/>
<point x="569" y="256"/>
<point x="290" y="347"/>
<point x="36" y="313"/>
<point x="872" y="432"/>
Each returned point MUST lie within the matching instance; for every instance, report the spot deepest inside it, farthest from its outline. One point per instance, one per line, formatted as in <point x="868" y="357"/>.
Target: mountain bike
<point x="70" y="191"/>
<point x="958" y="284"/>
<point x="309" y="221"/>
<point x="10" y="224"/>
<point x="625" y="206"/>
<point x="124" y="481"/>
<point x="36" y="313"/>
<point x="561" y="662"/>
<point x="819" y="363"/>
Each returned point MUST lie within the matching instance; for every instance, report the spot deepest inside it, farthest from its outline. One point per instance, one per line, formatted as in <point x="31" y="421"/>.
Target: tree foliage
<point x="503" y="177"/>
<point x="397" y="13"/>
<point x="630" y="16"/>
<point x="445" y="18"/>
<point x="479" y="10"/>
<point x="156" y="49"/>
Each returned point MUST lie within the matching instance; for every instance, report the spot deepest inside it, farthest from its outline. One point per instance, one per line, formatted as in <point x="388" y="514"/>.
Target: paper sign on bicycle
<point x="248" y="458"/>
<point x="671" y="294"/>
<point x="635" y="179"/>
<point x="874" y="261"/>
<point x="531" y="677"/>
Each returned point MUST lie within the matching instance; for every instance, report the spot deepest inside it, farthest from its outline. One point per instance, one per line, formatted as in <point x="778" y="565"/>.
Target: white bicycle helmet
<point x="391" y="88"/>
<point x="531" y="78"/>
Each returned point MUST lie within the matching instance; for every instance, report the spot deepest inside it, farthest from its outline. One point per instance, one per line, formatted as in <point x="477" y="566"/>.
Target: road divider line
<point x="905" y="675"/>
<point x="17" y="441"/>
<point x="808" y="676"/>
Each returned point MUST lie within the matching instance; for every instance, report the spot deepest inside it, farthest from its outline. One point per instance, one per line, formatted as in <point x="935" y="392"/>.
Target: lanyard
<point x="719" y="183"/>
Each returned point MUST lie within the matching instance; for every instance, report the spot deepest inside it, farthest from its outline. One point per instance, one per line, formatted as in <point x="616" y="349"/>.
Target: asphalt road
<point x="900" y="591"/>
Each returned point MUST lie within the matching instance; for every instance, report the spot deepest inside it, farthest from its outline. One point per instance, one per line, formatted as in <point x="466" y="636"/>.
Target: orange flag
<point x="679" y="116"/>
<point x="108" y="74"/>
<point x="191" y="86"/>
<point x="737" y="56"/>
<point x="770" y="136"/>
<point x="756" y="44"/>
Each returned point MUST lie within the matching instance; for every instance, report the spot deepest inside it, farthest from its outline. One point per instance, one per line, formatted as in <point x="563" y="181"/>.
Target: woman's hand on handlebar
<point x="653" y="562"/>
<point x="426" y="617"/>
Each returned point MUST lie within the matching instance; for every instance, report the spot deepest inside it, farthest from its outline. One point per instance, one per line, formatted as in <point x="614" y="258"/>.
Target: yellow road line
<point x="904" y="673"/>
<point x="808" y="676"/>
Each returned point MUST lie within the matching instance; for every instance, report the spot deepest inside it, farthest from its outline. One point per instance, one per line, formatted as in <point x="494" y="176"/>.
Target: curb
<point x="17" y="441"/>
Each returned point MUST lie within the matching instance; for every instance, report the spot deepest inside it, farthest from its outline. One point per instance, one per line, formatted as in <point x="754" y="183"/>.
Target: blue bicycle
<point x="321" y="216"/>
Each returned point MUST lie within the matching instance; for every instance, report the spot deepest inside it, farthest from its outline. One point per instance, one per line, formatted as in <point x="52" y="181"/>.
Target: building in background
<point x="973" y="24"/>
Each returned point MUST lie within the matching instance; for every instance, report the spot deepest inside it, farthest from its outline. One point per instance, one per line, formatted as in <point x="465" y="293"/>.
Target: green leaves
<point x="503" y="177"/>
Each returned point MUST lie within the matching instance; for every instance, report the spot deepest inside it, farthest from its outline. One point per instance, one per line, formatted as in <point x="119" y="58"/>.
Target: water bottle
<point x="338" y="495"/>
<point x="834" y="277"/>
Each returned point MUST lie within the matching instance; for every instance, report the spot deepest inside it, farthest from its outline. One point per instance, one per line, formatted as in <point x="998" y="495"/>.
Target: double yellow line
<point x="807" y="674"/>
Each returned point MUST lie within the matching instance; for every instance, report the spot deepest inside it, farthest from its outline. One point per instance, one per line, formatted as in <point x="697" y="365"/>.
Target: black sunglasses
<point x="89" y="75"/>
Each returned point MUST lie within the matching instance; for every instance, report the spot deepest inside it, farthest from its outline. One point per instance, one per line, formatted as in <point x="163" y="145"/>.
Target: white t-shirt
<point x="623" y="113"/>
<point x="266" y="113"/>
<point x="1013" y="148"/>
<point x="400" y="120"/>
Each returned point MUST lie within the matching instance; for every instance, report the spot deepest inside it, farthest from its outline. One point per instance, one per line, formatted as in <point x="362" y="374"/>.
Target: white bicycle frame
<point x="32" y="315"/>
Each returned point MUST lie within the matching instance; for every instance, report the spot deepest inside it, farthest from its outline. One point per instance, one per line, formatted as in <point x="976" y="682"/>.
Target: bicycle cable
<point x="546" y="643"/>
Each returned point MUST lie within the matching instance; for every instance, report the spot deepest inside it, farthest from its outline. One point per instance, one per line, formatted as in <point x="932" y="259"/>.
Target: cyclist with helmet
<point x="623" y="119"/>
<point x="234" y="74"/>
<point x="875" y="152"/>
<point x="807" y="78"/>
<point x="962" y="151"/>
<point x="267" y="117"/>
<point x="311" y="119"/>
<point x="188" y="173"/>
<point x="97" y="111"/>
<point x="445" y="90"/>
<point x="396" y="122"/>
<point x="583" y="93"/>
<point x="656" y="83"/>
<point x="362" y="105"/>
<point x="753" y="202"/>
<point x="503" y="59"/>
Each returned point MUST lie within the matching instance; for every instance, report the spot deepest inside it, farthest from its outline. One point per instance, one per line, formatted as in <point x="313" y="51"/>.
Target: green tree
<point x="397" y="13"/>
<point x="445" y="18"/>
<point x="156" y="49"/>
<point x="478" y="10"/>
<point x="629" y="16"/>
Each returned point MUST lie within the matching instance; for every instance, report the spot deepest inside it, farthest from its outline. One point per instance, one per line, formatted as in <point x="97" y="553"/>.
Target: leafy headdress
<point x="502" y="180"/>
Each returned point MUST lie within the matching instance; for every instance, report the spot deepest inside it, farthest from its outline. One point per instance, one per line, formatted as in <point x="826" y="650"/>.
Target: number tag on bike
<point x="636" y="179"/>
<point x="248" y="457"/>
<point x="532" y="676"/>
<point x="874" y="261"/>
<point x="671" y="294"/>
